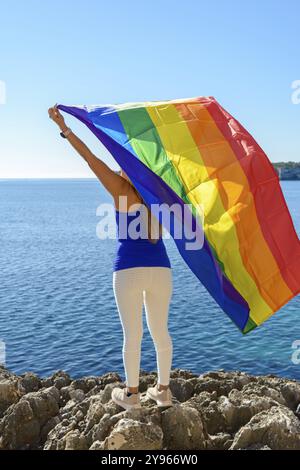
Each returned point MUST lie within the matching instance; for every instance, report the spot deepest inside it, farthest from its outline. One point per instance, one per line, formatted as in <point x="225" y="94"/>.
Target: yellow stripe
<point x="219" y="226"/>
<point x="233" y="187"/>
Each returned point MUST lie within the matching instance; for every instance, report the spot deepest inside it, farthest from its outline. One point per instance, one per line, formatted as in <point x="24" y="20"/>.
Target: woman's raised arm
<point x="114" y="183"/>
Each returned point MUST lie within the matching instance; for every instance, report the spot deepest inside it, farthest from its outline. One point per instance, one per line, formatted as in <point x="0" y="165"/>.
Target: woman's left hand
<point x="56" y="116"/>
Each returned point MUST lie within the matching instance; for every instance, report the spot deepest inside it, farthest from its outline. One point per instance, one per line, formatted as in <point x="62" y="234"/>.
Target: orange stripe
<point x="219" y="227"/>
<point x="278" y="228"/>
<point x="237" y="198"/>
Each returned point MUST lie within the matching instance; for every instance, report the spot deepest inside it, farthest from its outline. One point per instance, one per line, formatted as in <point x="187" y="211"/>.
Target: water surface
<point x="57" y="309"/>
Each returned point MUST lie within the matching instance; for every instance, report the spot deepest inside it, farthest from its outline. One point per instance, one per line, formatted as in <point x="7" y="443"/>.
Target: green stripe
<point x="146" y="142"/>
<point x="250" y="325"/>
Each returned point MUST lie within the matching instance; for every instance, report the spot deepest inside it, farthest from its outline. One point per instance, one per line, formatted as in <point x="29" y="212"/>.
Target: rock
<point x="7" y="375"/>
<point x="60" y="377"/>
<point x="21" y="424"/>
<point x="181" y="389"/>
<point x="44" y="403"/>
<point x="75" y="441"/>
<point x="221" y="382"/>
<point x="95" y="413"/>
<point x="91" y="383"/>
<point x="221" y="441"/>
<point x="133" y="435"/>
<point x="81" y="384"/>
<point x="238" y="408"/>
<point x="109" y="378"/>
<point x="97" y="445"/>
<point x="183" y="428"/>
<point x="263" y="390"/>
<point x="97" y="390"/>
<point x="106" y="396"/>
<point x="66" y="438"/>
<point x="56" y="438"/>
<point x="291" y="393"/>
<point x="10" y="392"/>
<point x="278" y="428"/>
<point x="60" y="382"/>
<point x="30" y="382"/>
<point x="216" y="410"/>
<point x="19" y="429"/>
<point x="76" y="394"/>
<point x="101" y="430"/>
<point x="229" y="413"/>
<point x="147" y="380"/>
<point x="183" y="374"/>
<point x="213" y="419"/>
<point x="64" y="395"/>
<point x="50" y="424"/>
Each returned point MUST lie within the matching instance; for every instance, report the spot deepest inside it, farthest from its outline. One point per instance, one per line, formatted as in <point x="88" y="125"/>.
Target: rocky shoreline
<point x="215" y="410"/>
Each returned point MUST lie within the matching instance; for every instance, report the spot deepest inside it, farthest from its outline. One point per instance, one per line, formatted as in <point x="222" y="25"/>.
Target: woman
<point x="142" y="275"/>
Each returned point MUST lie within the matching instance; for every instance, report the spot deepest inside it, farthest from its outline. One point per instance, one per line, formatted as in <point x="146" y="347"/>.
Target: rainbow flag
<point x="192" y="151"/>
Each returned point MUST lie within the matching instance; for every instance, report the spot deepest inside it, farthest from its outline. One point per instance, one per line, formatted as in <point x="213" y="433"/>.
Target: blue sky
<point x="246" y="54"/>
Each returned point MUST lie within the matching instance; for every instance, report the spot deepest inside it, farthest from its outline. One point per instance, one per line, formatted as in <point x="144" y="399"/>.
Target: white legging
<point x="151" y="286"/>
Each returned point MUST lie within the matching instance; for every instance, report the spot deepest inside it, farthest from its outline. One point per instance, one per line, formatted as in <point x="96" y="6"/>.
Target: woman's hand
<point x="114" y="183"/>
<point x="57" y="117"/>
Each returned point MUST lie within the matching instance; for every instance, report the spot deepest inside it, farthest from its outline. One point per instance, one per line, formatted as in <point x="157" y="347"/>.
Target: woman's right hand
<point x="56" y="116"/>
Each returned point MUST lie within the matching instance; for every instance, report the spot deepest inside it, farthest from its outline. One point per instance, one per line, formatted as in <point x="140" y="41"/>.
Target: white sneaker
<point x="162" y="397"/>
<point x="119" y="396"/>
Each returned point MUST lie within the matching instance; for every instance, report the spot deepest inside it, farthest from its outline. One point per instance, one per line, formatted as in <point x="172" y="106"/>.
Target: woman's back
<point x="134" y="248"/>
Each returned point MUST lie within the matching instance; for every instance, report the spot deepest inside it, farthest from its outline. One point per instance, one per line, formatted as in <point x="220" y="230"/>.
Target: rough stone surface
<point x="130" y="434"/>
<point x="276" y="428"/>
<point x="183" y="428"/>
<point x="216" y="410"/>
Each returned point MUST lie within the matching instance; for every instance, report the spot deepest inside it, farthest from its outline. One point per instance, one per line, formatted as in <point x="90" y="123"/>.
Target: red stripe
<point x="272" y="211"/>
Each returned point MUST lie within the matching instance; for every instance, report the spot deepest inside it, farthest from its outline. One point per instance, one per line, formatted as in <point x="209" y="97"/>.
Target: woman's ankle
<point x="161" y="387"/>
<point x="132" y="389"/>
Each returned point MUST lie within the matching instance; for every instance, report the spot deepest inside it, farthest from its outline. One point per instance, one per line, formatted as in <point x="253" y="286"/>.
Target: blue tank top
<point x="141" y="252"/>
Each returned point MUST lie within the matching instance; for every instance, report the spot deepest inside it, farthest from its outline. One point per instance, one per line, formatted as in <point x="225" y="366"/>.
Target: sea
<point x="57" y="308"/>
